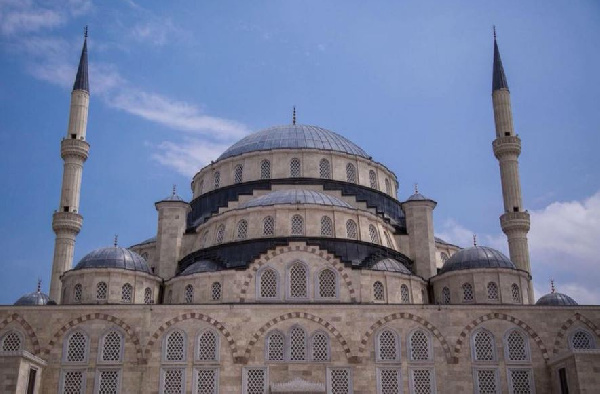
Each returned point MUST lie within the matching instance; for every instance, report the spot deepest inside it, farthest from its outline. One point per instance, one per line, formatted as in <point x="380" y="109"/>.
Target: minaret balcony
<point x="74" y="147"/>
<point x="511" y="221"/>
<point x="67" y="221"/>
<point x="507" y="145"/>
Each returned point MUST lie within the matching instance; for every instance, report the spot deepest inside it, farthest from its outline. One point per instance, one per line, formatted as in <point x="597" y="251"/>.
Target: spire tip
<point x="474" y="239"/>
<point x="294" y="116"/>
<point x="116" y="241"/>
<point x="552" y="288"/>
<point x="85" y="31"/>
<point x="39" y="286"/>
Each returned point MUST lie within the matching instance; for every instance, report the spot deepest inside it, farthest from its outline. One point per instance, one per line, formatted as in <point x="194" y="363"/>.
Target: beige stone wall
<point x="443" y="252"/>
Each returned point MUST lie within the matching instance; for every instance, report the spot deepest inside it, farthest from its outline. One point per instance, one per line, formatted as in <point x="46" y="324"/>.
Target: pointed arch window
<point x="298" y="280"/>
<point x="324" y="169"/>
<point x="268" y="284"/>
<point x="404" y="294"/>
<point x="268" y="225"/>
<point x="295" y="168"/>
<point x="350" y="173"/>
<point x="111" y="346"/>
<point x="420" y="348"/>
<point x="326" y="226"/>
<point x="77" y="293"/>
<point x="516" y="346"/>
<point x="483" y="346"/>
<point x="238" y="175"/>
<point x="374" y="234"/>
<point x="101" y="291"/>
<point x="216" y="291"/>
<point x="319" y="346"/>
<point x="127" y="294"/>
<point x="492" y="291"/>
<point x="445" y="295"/>
<point x="467" y="292"/>
<point x="297" y="346"/>
<point x="275" y="344"/>
<point x="207" y="346"/>
<point x="12" y="341"/>
<point x="378" y="291"/>
<point x="387" y="346"/>
<point x="351" y="229"/>
<point x="242" y="229"/>
<point x="297" y="225"/>
<point x="217" y="179"/>
<point x="220" y="233"/>
<point x="388" y="239"/>
<point x="327" y="284"/>
<point x="582" y="340"/>
<point x="188" y="296"/>
<point x="516" y="293"/>
<point x="175" y="345"/>
<point x="148" y="299"/>
<point x="373" y="179"/>
<point x="265" y="169"/>
<point x="76" y="347"/>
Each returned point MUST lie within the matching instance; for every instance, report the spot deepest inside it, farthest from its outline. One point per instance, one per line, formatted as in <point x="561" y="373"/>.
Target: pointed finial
<point x="416" y="188"/>
<point x="174" y="189"/>
<point x="474" y="239"/>
<point x="85" y="31"/>
<point x="116" y="242"/>
<point x="494" y="32"/>
<point x="294" y="116"/>
<point x="552" y="288"/>
<point x="39" y="287"/>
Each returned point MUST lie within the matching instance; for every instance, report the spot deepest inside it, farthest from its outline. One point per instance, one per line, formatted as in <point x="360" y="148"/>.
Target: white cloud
<point x="27" y="16"/>
<point x="154" y="31"/>
<point x="189" y="156"/>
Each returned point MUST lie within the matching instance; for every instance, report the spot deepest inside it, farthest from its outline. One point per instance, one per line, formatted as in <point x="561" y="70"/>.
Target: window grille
<point x="492" y="291"/>
<point x="108" y="382"/>
<point x="486" y="381"/>
<point x="422" y="381"/>
<point x="76" y="348"/>
<point x="188" y="297"/>
<point x="208" y="349"/>
<point x="148" y="299"/>
<point x="387" y="345"/>
<point x="101" y="290"/>
<point x="126" y="293"/>
<point x="238" y="175"/>
<point x="404" y="295"/>
<point x="388" y="239"/>
<point x="327" y="284"/>
<point x="268" y="284"/>
<point x="11" y="342"/>
<point x="77" y="292"/>
<point x="445" y="295"/>
<point x="268" y="226"/>
<point x="275" y="346"/>
<point x="72" y="382"/>
<point x="520" y="381"/>
<point x="265" y="169"/>
<point x="419" y="346"/>
<point x="320" y="347"/>
<point x="374" y="234"/>
<point x="389" y="381"/>
<point x="216" y="291"/>
<point x="388" y="187"/>
<point x="217" y="179"/>
<point x="324" y="169"/>
<point x="242" y="230"/>
<point x="175" y="346"/>
<point x="467" y="292"/>
<point x="373" y="179"/>
<point x="173" y="381"/>
<point x="206" y="381"/>
<point x="295" y="168"/>
<point x="517" y="346"/>
<point x="297" y="225"/>
<point x="298" y="285"/>
<point x="351" y="229"/>
<point x="582" y="340"/>
<point x="220" y="233"/>
<point x="326" y="226"/>
<point x="378" y="291"/>
<point x="112" y="345"/>
<point x="255" y="381"/>
<point x="339" y="381"/>
<point x="516" y="293"/>
<point x="444" y="257"/>
<point x="484" y="346"/>
<point x="297" y="344"/>
<point x="350" y="173"/>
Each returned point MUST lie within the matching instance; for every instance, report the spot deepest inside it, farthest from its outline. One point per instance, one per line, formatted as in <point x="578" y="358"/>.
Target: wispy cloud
<point x="27" y="16"/>
<point x="188" y="156"/>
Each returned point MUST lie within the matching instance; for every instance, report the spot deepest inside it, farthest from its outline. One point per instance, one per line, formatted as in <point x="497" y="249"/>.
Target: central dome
<point x="293" y="137"/>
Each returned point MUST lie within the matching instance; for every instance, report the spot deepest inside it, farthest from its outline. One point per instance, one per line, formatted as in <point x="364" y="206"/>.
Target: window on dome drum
<point x="444" y="257"/>
<point x="208" y="346"/>
<point x="254" y="380"/>
<point x="324" y="169"/>
<point x="351" y="229"/>
<point x="200" y="187"/>
<point x="242" y="229"/>
<point x="378" y="291"/>
<point x="404" y="294"/>
<point x="492" y="291"/>
<point x="326" y="226"/>
<point x="188" y="296"/>
<point x="268" y="287"/>
<point x="373" y="179"/>
<point x="389" y="381"/>
<point x="108" y="381"/>
<point x="582" y="340"/>
<point x="339" y="380"/>
<point x="112" y="347"/>
<point x="388" y="239"/>
<point x="206" y="380"/>
<point x="72" y="382"/>
<point x="327" y="284"/>
<point x="220" y="233"/>
<point x="467" y="292"/>
<point x="422" y="380"/>
<point x="11" y="342"/>
<point x="295" y="168"/>
<point x="350" y="173"/>
<point x="420" y="346"/>
<point x="520" y="381"/>
<point x="298" y="281"/>
<point x="483" y="346"/>
<point x="388" y="346"/>
<point x="204" y="241"/>
<point x="516" y="346"/>
<point x="319" y="346"/>
<point x="265" y="169"/>
<point x="388" y="187"/>
<point x="172" y="381"/>
<point x="486" y="380"/>
<point x="145" y="256"/>
<point x="217" y="179"/>
<point x="216" y="291"/>
<point x="175" y="346"/>
<point x="127" y="293"/>
<point x="297" y="225"/>
<point x="148" y="299"/>
<point x="101" y="291"/>
<point x="238" y="175"/>
<point x="275" y="343"/>
<point x="374" y="234"/>
<point x="297" y="344"/>
<point x="445" y="295"/>
<point x="77" y="292"/>
<point x="516" y="293"/>
<point x="76" y="349"/>
<point x="268" y="226"/>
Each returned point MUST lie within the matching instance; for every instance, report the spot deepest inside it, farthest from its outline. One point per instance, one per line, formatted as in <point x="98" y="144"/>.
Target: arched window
<point x="207" y="346"/>
<point x="326" y="226"/>
<point x="200" y="187"/>
<point x="217" y="179"/>
<point x="492" y="291"/>
<point x="324" y="169"/>
<point x="445" y="295"/>
<point x="265" y="169"/>
<point x="174" y="346"/>
<point x="516" y="346"/>
<point x="77" y="347"/>
<point x="268" y="284"/>
<point x="388" y="239"/>
<point x="327" y="284"/>
<point x="373" y="179"/>
<point x="582" y="340"/>
<point x="242" y="229"/>
<point x="351" y="229"/>
<point x="127" y="293"/>
<point x="11" y="342"/>
<point x="319" y="346"/>
<point x="404" y="294"/>
<point x="419" y="346"/>
<point x="350" y="173"/>
<point x="295" y="168"/>
<point x="388" y="187"/>
<point x="483" y="347"/>
<point x="77" y="293"/>
<point x="188" y="296"/>
<point x="297" y="225"/>
<point x="101" y="291"/>
<point x="444" y="257"/>
<point x="374" y="234"/>
<point x="516" y="293"/>
<point x="297" y="344"/>
<point x="220" y="233"/>
<point x="275" y="343"/>
<point x="378" y="291"/>
<point x="238" y="175"/>
<point x="215" y="291"/>
<point x="111" y="346"/>
<point x="148" y="299"/>
<point x="388" y="346"/>
<point x="268" y="225"/>
<point x="298" y="283"/>
<point x="467" y="292"/>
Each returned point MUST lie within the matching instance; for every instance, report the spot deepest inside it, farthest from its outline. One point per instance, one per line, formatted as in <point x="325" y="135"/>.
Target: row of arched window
<point x="127" y="293"/>
<point x="493" y="294"/>
<point x="297" y="346"/>
<point x="387" y="346"/>
<point x="297" y="283"/>
<point x="379" y="293"/>
<point x="216" y="292"/>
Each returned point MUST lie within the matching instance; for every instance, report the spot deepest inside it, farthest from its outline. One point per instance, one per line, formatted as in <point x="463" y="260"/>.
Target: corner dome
<point x="477" y="257"/>
<point x="34" y="298"/>
<point x="293" y="136"/>
<point x="114" y="257"/>
<point x="390" y="265"/>
<point x="295" y="196"/>
<point x="556" y="299"/>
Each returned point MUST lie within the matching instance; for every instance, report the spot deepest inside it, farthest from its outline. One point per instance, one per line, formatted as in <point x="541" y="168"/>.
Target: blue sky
<point x="173" y="84"/>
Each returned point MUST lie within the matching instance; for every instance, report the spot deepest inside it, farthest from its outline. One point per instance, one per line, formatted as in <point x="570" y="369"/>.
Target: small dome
<point x="418" y="197"/>
<point x="556" y="299"/>
<point x="295" y="196"/>
<point x="293" y="137"/>
<point x="35" y="298"/>
<point x="477" y="257"/>
<point x="201" y="266"/>
<point x="114" y="257"/>
<point x="390" y="265"/>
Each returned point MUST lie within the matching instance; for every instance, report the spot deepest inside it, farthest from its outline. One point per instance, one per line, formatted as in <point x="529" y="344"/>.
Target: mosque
<point x="296" y="268"/>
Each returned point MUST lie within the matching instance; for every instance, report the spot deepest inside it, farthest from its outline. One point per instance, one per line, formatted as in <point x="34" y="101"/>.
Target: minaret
<point x="66" y="221"/>
<point x="507" y="147"/>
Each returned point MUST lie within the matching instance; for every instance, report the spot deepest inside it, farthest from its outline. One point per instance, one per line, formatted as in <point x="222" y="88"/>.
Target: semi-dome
<point x="390" y="265"/>
<point x="114" y="257"/>
<point x="295" y="196"/>
<point x="556" y="299"/>
<point x="293" y="136"/>
<point x="201" y="266"/>
<point x="477" y="257"/>
<point x="34" y="298"/>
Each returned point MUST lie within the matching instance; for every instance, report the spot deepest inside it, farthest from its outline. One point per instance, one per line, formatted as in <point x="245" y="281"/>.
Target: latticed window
<point x="101" y="291"/>
<point x="297" y="344"/>
<point x="208" y="346"/>
<point x="388" y="239"/>
<point x="389" y="381"/>
<point x="148" y="299"/>
<point x="387" y="346"/>
<point x="492" y="291"/>
<point x="351" y="229"/>
<point x="220" y="233"/>
<point x="255" y="381"/>
<point x="217" y="179"/>
<point x="445" y="295"/>
<point x="339" y="381"/>
<point x="373" y="179"/>
<point x="516" y="293"/>
<point x="215" y="291"/>
<point x="268" y="226"/>
<point x="242" y="229"/>
<point x="238" y="175"/>
<point x="275" y="346"/>
<point x="126" y="293"/>
<point x="72" y="382"/>
<point x="77" y="345"/>
<point x="77" y="292"/>
<point x="422" y="381"/>
<point x="173" y="381"/>
<point x="582" y="340"/>
<point x="404" y="295"/>
<point x="520" y="381"/>
<point x="419" y="346"/>
<point x="188" y="295"/>
<point x="297" y="225"/>
<point x="268" y="284"/>
<point x="206" y="380"/>
<point x="324" y="169"/>
<point x="467" y="292"/>
<point x="483" y="346"/>
<point x="11" y="342"/>
<point x="388" y="187"/>
<point x="486" y="381"/>
<point x="350" y="173"/>
<point x="295" y="168"/>
<point x="265" y="169"/>
<point x="374" y="234"/>
<point x="298" y="281"/>
<point x="320" y="347"/>
<point x="175" y="346"/>
<point x="112" y="345"/>
<point x="378" y="291"/>
<point x="326" y="226"/>
<point x="108" y="381"/>
<point x="517" y="348"/>
<point x="327" y="284"/>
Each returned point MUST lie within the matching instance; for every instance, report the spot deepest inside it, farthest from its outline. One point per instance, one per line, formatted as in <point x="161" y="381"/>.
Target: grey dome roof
<point x="293" y="137"/>
<point x="201" y="266"/>
<point x="391" y="265"/>
<point x="114" y="257"/>
<point x="35" y="298"/>
<point x="418" y="197"/>
<point x="295" y="196"/>
<point x="477" y="257"/>
<point x="556" y="299"/>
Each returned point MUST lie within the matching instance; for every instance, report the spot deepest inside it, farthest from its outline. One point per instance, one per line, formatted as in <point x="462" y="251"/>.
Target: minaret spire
<point x="81" y="80"/>
<point x="499" y="78"/>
